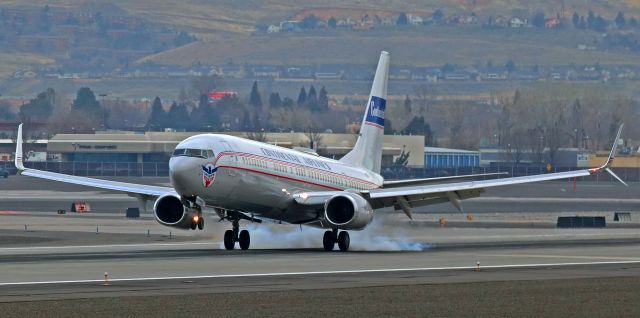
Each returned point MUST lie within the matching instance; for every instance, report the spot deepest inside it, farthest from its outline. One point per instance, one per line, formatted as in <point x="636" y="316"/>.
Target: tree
<point x="287" y="102"/>
<point x="274" y="100"/>
<point x="600" y="24"/>
<point x="309" y="22"/>
<point x="183" y="38"/>
<point x="5" y="111"/>
<point x="407" y="104"/>
<point x="158" y="116"/>
<point x="254" y="97"/>
<point x="39" y="108"/>
<point x="438" y="16"/>
<point x="178" y="116"/>
<point x="538" y="19"/>
<point x="323" y="100"/>
<point x="388" y="127"/>
<point x="302" y="96"/>
<point x="633" y="22"/>
<point x="312" y="99"/>
<point x="86" y="102"/>
<point x="576" y="20"/>
<point x="402" y="19"/>
<point x="510" y="66"/>
<point x="203" y="116"/>
<point x="417" y="126"/>
<point x="620" y="20"/>
<point x="591" y="19"/>
<point x="332" y="23"/>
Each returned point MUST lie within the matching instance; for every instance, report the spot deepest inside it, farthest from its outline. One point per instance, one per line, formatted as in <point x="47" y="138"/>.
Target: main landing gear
<point x="235" y="235"/>
<point x="332" y="237"/>
<point x="232" y="236"/>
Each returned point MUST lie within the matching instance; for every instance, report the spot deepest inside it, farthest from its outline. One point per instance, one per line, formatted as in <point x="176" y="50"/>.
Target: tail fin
<point x="19" y="157"/>
<point x="367" y="152"/>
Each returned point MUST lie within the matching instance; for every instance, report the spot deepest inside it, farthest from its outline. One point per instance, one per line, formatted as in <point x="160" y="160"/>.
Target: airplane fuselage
<point x="244" y="175"/>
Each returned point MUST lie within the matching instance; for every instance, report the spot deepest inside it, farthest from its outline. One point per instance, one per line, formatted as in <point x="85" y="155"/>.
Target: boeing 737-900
<point x="240" y="179"/>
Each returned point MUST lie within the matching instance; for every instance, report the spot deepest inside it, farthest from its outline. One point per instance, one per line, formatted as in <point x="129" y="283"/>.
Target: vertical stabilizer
<point x="367" y="153"/>
<point x="19" y="158"/>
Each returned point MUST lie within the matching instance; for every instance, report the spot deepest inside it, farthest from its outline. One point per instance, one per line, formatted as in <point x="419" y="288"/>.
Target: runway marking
<point x="30" y="248"/>
<point x="383" y="270"/>
<point x="564" y="256"/>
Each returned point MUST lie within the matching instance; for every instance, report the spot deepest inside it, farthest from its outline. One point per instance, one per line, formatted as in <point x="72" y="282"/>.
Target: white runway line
<point x="384" y="270"/>
<point x="31" y="248"/>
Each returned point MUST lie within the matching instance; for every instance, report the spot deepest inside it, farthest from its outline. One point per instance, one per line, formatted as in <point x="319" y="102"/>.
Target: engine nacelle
<point x="170" y="211"/>
<point x="348" y="211"/>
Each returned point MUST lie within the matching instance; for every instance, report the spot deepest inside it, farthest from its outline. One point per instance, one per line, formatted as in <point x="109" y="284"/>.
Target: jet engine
<point x="170" y="211"/>
<point x="348" y="211"/>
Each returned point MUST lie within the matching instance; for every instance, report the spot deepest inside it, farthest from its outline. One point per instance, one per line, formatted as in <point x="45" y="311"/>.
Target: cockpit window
<point x="191" y="152"/>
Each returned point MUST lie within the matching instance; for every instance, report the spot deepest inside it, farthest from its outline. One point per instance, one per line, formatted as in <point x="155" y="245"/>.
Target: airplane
<point x="241" y="179"/>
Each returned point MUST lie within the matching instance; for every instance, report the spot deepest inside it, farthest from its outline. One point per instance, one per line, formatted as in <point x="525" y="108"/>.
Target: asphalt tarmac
<point x="55" y="265"/>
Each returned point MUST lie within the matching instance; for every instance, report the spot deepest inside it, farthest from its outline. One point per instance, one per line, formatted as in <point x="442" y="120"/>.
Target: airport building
<point x="158" y="146"/>
<point x="450" y="158"/>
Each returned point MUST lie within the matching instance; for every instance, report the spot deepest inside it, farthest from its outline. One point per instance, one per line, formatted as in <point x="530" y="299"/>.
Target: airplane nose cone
<point x="182" y="172"/>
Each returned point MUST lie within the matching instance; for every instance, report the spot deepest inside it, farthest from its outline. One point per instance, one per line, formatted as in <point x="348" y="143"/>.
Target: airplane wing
<point x="132" y="189"/>
<point x="407" y="182"/>
<point x="408" y="197"/>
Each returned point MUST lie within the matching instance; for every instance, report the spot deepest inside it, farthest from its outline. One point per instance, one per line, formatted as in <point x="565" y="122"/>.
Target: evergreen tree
<point x="402" y="19"/>
<point x="178" y="116"/>
<point x="510" y="66"/>
<point x="600" y="24"/>
<point x="438" y="16"/>
<point x="591" y="19"/>
<point x="323" y="100"/>
<point x="312" y="99"/>
<point x="633" y="22"/>
<point x="39" y="108"/>
<point x="274" y="100"/>
<point x="158" y="116"/>
<point x="302" y="97"/>
<point x="203" y="116"/>
<point x="388" y="128"/>
<point x="407" y="105"/>
<point x="332" y="23"/>
<point x="538" y="20"/>
<point x="86" y="102"/>
<point x="417" y="126"/>
<point x="254" y="97"/>
<point x="620" y="20"/>
<point x="287" y="102"/>
<point x="576" y="20"/>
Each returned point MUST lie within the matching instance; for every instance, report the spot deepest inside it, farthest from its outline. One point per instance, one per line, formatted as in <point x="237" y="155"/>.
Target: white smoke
<point x="376" y="237"/>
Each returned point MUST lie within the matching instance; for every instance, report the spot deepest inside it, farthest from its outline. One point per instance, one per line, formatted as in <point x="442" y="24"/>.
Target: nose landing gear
<point x="332" y="237"/>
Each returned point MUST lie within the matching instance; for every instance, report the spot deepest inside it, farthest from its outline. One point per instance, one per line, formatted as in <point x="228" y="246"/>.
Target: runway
<point x="45" y="257"/>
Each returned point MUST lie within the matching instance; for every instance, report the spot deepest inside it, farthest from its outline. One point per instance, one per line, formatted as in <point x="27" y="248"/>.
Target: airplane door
<point x="233" y="158"/>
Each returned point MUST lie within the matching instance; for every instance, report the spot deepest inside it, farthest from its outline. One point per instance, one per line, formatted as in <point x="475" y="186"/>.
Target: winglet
<point x="607" y="165"/>
<point x="19" y="156"/>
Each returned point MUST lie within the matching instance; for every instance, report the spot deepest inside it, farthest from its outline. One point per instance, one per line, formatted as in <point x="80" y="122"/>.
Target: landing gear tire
<point x="328" y="241"/>
<point x="344" y="241"/>
<point x="244" y="239"/>
<point x="229" y="242"/>
<point x="193" y="225"/>
<point x="200" y="223"/>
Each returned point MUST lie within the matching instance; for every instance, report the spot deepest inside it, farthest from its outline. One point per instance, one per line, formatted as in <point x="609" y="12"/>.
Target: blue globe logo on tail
<point x="375" y="112"/>
<point x="208" y="174"/>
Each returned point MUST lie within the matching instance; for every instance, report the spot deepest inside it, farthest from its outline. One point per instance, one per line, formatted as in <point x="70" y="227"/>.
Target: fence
<point x="161" y="169"/>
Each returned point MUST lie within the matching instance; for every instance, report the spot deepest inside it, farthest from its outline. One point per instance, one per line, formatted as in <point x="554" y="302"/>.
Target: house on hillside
<point x="273" y="29"/>
<point x="517" y="23"/>
<point x="415" y="19"/>
<point x="265" y="71"/>
<point x="551" y="23"/>
<point x="501" y="21"/>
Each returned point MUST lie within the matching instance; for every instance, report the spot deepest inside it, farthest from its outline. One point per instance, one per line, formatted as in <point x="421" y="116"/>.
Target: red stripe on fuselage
<point x="283" y="177"/>
<point x="243" y="154"/>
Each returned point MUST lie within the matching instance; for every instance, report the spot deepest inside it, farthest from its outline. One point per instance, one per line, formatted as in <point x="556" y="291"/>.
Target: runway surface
<point x="48" y="257"/>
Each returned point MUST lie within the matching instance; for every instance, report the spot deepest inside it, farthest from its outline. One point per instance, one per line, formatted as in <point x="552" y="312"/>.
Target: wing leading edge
<point x="132" y="189"/>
